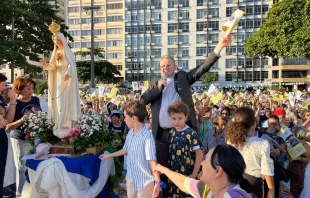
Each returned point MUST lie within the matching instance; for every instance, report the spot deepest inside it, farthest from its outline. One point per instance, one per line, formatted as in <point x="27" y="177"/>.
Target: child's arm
<point x="115" y="154"/>
<point x="198" y="161"/>
<point x="156" y="174"/>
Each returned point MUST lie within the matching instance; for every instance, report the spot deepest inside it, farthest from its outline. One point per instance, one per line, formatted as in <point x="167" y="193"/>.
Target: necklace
<point x="63" y="91"/>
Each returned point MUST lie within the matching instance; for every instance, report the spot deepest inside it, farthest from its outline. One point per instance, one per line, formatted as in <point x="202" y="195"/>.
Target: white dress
<point x="61" y="94"/>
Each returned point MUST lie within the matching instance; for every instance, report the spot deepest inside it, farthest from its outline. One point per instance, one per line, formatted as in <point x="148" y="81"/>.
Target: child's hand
<point x="156" y="190"/>
<point x="104" y="156"/>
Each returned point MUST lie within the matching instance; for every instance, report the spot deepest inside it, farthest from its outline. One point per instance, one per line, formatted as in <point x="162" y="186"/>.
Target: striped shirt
<point x="140" y="150"/>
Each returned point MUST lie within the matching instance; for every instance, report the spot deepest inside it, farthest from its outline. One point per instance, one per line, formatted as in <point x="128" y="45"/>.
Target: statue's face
<point x="57" y="41"/>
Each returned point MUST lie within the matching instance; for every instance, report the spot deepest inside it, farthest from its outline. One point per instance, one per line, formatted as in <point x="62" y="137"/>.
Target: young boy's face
<point x="178" y="120"/>
<point x="115" y="119"/>
<point x="129" y="120"/>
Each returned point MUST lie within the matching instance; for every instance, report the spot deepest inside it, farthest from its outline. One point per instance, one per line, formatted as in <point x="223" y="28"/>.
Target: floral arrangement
<point x="89" y="131"/>
<point x="92" y="132"/>
<point x="39" y="123"/>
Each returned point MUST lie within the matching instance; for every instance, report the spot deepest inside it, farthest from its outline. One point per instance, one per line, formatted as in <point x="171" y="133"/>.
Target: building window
<point x="99" y="32"/>
<point x="175" y="3"/>
<point x="231" y="63"/>
<point x="73" y="9"/>
<point x="86" y="44"/>
<point x="114" y="6"/>
<point x="156" y="53"/>
<point x="114" y="18"/>
<point x="184" y="39"/>
<point x="85" y="20"/>
<point x="172" y="15"/>
<point x="99" y="20"/>
<point x="214" y="25"/>
<point x="172" y="27"/>
<point x="172" y="40"/>
<point x="86" y="32"/>
<point x="230" y="10"/>
<point x="229" y="76"/>
<point x="206" y="2"/>
<point x="184" y="27"/>
<point x="114" y="55"/>
<point x="115" y="43"/>
<point x="203" y="13"/>
<point x="115" y="31"/>
<point x="184" y="51"/>
<point x="241" y="50"/>
<point x="75" y="45"/>
<point x="156" y="40"/>
<point x="119" y="67"/>
<point x="74" y="32"/>
<point x="156" y="16"/>
<point x="74" y="21"/>
<point x="172" y="51"/>
<point x="183" y="64"/>
<point x="201" y="51"/>
<point x="184" y="14"/>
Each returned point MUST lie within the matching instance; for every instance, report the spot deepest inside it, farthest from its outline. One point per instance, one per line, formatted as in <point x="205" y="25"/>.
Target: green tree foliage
<point x="41" y="87"/>
<point x="209" y="78"/>
<point x="98" y="52"/>
<point x="285" y="33"/>
<point x="31" y="34"/>
<point x="104" y="71"/>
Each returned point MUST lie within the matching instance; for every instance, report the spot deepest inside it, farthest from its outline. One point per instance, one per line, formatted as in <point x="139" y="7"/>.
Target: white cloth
<point x="306" y="191"/>
<point x="53" y="181"/>
<point x="256" y="154"/>
<point x="10" y="169"/>
<point x="63" y="98"/>
<point x="169" y="96"/>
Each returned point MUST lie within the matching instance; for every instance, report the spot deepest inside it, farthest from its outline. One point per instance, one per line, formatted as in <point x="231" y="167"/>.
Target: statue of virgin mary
<point x="63" y="92"/>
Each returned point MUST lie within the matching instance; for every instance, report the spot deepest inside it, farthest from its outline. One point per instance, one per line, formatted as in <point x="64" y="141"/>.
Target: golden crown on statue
<point x="54" y="27"/>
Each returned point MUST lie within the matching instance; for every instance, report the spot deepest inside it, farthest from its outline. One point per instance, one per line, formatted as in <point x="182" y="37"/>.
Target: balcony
<point x="294" y="67"/>
<point x="290" y="80"/>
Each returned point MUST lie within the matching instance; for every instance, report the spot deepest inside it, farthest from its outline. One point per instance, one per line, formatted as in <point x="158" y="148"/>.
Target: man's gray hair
<point x="168" y="57"/>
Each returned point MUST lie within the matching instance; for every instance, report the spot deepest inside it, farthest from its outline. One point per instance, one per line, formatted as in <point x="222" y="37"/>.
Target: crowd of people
<point x="179" y="142"/>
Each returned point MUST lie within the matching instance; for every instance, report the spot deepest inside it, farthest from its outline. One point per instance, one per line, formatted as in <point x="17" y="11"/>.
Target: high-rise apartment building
<point x="108" y="28"/>
<point x="189" y="30"/>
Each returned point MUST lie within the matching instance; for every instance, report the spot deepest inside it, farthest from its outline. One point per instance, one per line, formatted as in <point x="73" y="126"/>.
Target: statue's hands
<point x="66" y="77"/>
<point x="44" y="64"/>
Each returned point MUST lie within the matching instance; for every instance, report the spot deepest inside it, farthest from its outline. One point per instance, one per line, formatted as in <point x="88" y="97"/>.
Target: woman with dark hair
<point x="256" y="152"/>
<point x="225" y="112"/>
<point x="25" y="104"/>
<point x="9" y="115"/>
<point x="222" y="170"/>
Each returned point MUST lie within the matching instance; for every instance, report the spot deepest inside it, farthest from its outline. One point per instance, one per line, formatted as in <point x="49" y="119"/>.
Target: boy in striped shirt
<point x="141" y="154"/>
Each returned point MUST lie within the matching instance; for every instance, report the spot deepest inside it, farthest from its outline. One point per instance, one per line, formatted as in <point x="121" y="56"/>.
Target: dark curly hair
<point x="243" y="120"/>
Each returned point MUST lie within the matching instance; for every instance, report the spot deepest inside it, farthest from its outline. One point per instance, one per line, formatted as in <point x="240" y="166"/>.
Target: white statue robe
<point x="63" y="97"/>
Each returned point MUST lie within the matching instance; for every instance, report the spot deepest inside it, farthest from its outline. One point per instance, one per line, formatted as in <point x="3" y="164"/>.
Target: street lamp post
<point x="92" y="69"/>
